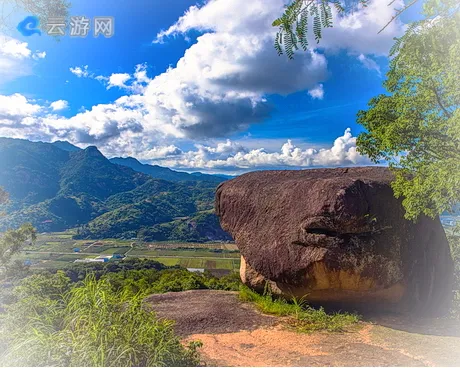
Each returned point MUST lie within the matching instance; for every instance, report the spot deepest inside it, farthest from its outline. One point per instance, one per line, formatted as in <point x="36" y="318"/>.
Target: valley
<point x="54" y="251"/>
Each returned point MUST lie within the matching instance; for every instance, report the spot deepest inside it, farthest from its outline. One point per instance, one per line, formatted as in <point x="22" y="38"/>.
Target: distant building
<point x="76" y="250"/>
<point x="118" y="256"/>
<point x="101" y="259"/>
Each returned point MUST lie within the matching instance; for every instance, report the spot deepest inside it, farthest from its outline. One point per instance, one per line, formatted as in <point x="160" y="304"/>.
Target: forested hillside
<point x="164" y="172"/>
<point x="58" y="186"/>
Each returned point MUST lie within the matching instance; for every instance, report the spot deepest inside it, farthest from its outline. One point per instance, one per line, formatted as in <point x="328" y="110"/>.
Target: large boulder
<point x="336" y="236"/>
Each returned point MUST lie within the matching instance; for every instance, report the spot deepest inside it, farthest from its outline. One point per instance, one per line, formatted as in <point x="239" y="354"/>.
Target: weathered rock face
<point x="336" y="236"/>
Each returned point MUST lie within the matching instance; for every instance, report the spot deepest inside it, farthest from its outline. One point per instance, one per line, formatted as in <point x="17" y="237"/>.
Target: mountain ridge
<point x="161" y="172"/>
<point x="57" y="189"/>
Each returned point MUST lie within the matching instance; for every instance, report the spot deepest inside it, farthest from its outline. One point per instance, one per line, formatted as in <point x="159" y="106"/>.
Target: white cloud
<point x="16" y="59"/>
<point x="161" y="152"/>
<point x="59" y="105"/>
<point x="39" y="55"/>
<point x="118" y="80"/>
<point x="233" y="157"/>
<point x="16" y="106"/>
<point x="137" y="81"/>
<point x="369" y="63"/>
<point x="317" y="92"/>
<point x="15" y="49"/>
<point x="80" y="72"/>
<point x="357" y="32"/>
<point x="123" y="131"/>
<point x="219" y="86"/>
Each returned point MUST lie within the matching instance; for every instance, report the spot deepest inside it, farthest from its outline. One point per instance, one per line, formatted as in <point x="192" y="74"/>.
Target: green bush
<point x="59" y="319"/>
<point x="89" y="325"/>
<point x="169" y="280"/>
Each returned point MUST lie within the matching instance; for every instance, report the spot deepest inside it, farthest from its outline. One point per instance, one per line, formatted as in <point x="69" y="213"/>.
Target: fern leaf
<point x="317" y="28"/>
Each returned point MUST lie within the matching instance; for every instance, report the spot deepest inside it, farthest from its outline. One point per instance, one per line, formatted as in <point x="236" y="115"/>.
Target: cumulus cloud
<point x="160" y="152"/>
<point x="59" y="105"/>
<point x="357" y="32"/>
<point x="133" y="83"/>
<point x="15" y="107"/>
<point x="39" y="55"/>
<point x="16" y="59"/>
<point x="233" y="157"/>
<point x="219" y="86"/>
<point x="18" y="118"/>
<point x="317" y="92"/>
<point x="80" y="72"/>
<point x="15" y="49"/>
<point x="118" y="80"/>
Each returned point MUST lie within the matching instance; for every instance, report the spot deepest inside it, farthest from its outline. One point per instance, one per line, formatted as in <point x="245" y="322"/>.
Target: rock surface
<point x="336" y="236"/>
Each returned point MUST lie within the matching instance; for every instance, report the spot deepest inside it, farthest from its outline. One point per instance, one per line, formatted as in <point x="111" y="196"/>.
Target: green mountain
<point x="30" y="172"/>
<point x="66" y="146"/>
<point x="159" y="204"/>
<point x="203" y="226"/>
<point x="89" y="172"/>
<point x="165" y="173"/>
<point x="56" y="187"/>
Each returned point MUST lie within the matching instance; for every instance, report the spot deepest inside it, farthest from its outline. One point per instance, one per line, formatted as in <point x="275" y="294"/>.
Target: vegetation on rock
<point x="302" y="317"/>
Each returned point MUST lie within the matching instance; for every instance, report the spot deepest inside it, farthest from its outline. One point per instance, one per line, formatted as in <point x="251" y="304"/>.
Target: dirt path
<point x="234" y="334"/>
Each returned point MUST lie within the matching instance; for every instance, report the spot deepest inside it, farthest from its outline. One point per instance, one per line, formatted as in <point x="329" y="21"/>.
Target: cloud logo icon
<point x="29" y="26"/>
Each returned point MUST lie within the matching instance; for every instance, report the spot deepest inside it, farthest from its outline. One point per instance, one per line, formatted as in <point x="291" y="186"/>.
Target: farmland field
<point x="207" y="264"/>
<point x="58" y="250"/>
<point x="184" y="253"/>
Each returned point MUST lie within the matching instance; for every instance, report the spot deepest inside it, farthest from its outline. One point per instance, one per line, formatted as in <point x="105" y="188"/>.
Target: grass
<point x="69" y="257"/>
<point x="168" y="261"/>
<point x="205" y="263"/>
<point x="53" y="247"/>
<point x="119" y="250"/>
<point x="90" y="325"/>
<point x="54" y="265"/>
<point x="236" y="263"/>
<point x="302" y="317"/>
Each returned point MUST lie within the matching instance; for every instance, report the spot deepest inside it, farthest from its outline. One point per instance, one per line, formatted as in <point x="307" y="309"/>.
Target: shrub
<point x="90" y="325"/>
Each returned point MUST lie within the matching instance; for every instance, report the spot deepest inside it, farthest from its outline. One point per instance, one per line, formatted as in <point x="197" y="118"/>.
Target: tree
<point x="43" y="9"/>
<point x="12" y="241"/>
<point x="416" y="127"/>
<point x="3" y="197"/>
<point x="293" y="25"/>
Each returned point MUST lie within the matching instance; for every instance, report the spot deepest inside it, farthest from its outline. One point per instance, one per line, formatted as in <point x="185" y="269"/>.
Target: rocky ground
<point x="234" y="334"/>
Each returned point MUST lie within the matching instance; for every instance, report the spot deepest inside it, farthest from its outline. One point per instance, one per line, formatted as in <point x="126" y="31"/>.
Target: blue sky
<point x="210" y="93"/>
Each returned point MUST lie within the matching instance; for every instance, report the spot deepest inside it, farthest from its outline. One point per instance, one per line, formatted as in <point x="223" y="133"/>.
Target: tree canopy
<point x="416" y="126"/>
<point x="3" y="197"/>
<point x="43" y="9"/>
<point x="302" y="15"/>
<point x="12" y="241"/>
